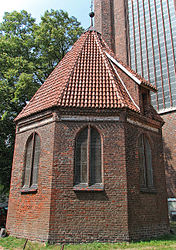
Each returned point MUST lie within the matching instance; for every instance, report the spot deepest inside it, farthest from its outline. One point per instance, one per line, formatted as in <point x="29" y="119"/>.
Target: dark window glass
<point x="28" y="162"/>
<point x="36" y="157"/>
<point x="88" y="157"/>
<point x="81" y="157"/>
<point x="145" y="162"/>
<point x="95" y="157"/>
<point x="32" y="161"/>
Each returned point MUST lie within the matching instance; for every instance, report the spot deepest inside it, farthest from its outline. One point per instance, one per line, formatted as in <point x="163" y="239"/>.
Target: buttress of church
<point x="88" y="158"/>
<point x="111" y="20"/>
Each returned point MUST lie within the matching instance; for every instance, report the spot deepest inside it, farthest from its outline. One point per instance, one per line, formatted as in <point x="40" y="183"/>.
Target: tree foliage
<point x="28" y="53"/>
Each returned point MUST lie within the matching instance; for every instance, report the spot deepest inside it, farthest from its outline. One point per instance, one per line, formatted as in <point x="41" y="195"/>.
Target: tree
<point x="28" y="54"/>
<point x="57" y="32"/>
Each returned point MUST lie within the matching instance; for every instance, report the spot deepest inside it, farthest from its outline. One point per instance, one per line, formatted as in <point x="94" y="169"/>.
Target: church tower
<point x="111" y="22"/>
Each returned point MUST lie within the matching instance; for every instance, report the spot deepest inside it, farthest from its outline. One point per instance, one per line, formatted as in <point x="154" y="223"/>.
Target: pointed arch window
<point x="145" y="163"/>
<point x="32" y="156"/>
<point x="88" y="163"/>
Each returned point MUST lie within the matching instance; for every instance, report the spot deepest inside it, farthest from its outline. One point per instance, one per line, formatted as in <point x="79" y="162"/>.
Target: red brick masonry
<point x="89" y="87"/>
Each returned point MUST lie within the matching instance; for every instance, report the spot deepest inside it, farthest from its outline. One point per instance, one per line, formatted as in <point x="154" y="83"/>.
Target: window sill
<point x="151" y="190"/>
<point x="27" y="190"/>
<point x="85" y="187"/>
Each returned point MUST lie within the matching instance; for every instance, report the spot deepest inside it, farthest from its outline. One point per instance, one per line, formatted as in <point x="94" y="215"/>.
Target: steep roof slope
<point x="85" y="78"/>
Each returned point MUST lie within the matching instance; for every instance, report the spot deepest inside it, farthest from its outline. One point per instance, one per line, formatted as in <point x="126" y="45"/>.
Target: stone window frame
<point x="88" y="186"/>
<point x="30" y="178"/>
<point x="146" y="171"/>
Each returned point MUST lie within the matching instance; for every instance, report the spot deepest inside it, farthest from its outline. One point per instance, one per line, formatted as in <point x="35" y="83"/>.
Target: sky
<point x="78" y="8"/>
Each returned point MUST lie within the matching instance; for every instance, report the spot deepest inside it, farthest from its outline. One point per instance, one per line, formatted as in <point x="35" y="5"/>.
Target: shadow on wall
<point x="170" y="172"/>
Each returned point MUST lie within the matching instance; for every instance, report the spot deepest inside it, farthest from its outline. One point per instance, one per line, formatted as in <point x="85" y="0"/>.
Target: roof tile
<point x="84" y="78"/>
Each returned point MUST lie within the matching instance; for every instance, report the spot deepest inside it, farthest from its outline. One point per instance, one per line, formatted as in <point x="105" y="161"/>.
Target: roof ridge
<point x="125" y="87"/>
<point x="130" y="70"/>
<point x="72" y="69"/>
<point x="107" y="65"/>
<point x="114" y="81"/>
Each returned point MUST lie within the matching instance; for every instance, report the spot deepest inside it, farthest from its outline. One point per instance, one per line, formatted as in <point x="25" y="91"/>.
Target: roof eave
<point x="153" y="89"/>
<point x="134" y="78"/>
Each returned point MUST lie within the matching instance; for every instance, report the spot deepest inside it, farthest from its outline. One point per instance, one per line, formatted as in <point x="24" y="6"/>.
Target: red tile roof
<point x="144" y="82"/>
<point x="83" y="79"/>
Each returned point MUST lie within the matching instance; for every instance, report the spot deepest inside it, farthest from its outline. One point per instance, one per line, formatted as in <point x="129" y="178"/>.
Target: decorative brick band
<point x="142" y="125"/>
<point x="89" y="119"/>
<point x="35" y="124"/>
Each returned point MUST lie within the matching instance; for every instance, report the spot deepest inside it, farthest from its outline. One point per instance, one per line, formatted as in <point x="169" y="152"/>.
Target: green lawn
<point x="167" y="242"/>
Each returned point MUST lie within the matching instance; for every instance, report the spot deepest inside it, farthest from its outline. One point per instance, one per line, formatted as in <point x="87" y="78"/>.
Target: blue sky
<point x="78" y="8"/>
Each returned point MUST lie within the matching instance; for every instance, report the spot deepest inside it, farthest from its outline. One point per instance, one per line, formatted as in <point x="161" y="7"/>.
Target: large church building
<point x="142" y="33"/>
<point x="88" y="161"/>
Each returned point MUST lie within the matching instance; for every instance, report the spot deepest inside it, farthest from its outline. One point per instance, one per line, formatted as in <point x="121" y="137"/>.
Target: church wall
<point x="86" y="216"/>
<point x="28" y="213"/>
<point x="148" y="211"/>
<point x="58" y="213"/>
<point x="104" y="21"/>
<point x="121" y="29"/>
<point x="122" y="51"/>
<point x="110" y="21"/>
<point x="169" y="143"/>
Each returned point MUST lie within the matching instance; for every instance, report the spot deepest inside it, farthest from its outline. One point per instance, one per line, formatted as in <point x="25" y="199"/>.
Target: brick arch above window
<point x="88" y="159"/>
<point x="31" y="163"/>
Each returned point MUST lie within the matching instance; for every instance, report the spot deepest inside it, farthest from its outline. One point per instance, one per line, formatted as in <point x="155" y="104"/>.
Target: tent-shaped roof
<point x="85" y="78"/>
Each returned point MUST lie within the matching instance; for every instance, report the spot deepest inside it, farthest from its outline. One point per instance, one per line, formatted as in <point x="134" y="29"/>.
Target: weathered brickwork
<point x="147" y="210"/>
<point x="120" y="38"/>
<point x="30" y="212"/>
<point x="104" y="21"/>
<point x="57" y="213"/>
<point x="95" y="215"/>
<point x="121" y="29"/>
<point x="169" y="143"/>
<point x="110" y="21"/>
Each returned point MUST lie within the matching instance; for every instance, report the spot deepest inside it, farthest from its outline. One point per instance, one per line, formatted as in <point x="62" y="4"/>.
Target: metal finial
<point x="91" y="14"/>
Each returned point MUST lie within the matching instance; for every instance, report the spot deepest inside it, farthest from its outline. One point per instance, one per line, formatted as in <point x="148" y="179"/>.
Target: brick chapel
<point x="88" y="158"/>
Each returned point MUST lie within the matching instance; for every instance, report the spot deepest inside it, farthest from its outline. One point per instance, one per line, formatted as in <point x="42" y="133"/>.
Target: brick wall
<point x="29" y="213"/>
<point x="121" y="29"/>
<point x="98" y="15"/>
<point x="169" y="142"/>
<point x="104" y="20"/>
<point x="110" y="21"/>
<point x="89" y="216"/>
<point x="148" y="211"/>
<point x="57" y="213"/>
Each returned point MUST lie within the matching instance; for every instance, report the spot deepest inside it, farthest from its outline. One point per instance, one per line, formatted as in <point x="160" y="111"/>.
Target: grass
<point x="166" y="242"/>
